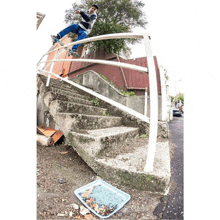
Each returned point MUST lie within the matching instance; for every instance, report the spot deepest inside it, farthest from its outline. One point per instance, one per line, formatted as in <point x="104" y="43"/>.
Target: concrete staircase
<point x="106" y="138"/>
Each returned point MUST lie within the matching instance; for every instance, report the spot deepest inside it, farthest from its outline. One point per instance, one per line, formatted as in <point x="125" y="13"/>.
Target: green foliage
<point x="179" y="96"/>
<point x="96" y="102"/>
<point x="115" y="16"/>
<point x="127" y="93"/>
<point x="166" y="75"/>
<point x="143" y="136"/>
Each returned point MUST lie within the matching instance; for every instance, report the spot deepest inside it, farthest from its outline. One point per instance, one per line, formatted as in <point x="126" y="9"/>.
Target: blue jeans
<point x="76" y="29"/>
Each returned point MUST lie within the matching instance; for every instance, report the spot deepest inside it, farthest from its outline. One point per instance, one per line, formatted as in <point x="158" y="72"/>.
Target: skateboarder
<point x="82" y="29"/>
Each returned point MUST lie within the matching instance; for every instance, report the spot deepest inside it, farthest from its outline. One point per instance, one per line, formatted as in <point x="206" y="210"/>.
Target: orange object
<point x="57" y="136"/>
<point x="49" y="132"/>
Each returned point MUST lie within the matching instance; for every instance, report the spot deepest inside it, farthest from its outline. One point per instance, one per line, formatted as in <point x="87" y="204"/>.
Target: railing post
<point x="163" y="94"/>
<point x="145" y="102"/>
<point x="153" y="106"/>
<point x="51" y="67"/>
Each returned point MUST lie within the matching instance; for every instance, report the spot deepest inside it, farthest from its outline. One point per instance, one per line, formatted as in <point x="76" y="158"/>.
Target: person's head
<point x="93" y="9"/>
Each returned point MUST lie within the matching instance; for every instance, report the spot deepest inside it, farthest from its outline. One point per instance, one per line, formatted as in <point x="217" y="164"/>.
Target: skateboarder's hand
<point x="77" y="12"/>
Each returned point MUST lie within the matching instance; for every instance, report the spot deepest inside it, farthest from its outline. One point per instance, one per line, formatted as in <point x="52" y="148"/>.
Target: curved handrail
<point x="113" y="63"/>
<point x="97" y="38"/>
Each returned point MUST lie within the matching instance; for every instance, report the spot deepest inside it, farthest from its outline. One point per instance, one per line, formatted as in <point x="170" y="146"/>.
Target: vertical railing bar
<point x="44" y="68"/>
<point x="153" y="106"/>
<point x="145" y="102"/>
<point x="163" y="94"/>
<point x="50" y="53"/>
<point x="123" y="74"/>
<point x="51" y="67"/>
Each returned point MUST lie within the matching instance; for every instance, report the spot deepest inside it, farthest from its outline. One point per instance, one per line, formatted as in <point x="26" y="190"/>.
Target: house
<point x="40" y="18"/>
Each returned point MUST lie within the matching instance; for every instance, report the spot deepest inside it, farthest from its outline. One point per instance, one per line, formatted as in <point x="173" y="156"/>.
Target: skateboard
<point x="76" y="55"/>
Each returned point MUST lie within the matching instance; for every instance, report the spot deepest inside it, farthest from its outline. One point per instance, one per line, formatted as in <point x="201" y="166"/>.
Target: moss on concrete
<point x="132" y="180"/>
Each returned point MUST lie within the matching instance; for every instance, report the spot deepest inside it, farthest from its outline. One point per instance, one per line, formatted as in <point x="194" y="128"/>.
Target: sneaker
<point x="54" y="39"/>
<point x="74" y="53"/>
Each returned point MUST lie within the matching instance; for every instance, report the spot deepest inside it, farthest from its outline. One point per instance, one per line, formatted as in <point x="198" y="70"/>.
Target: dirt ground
<point x="60" y="171"/>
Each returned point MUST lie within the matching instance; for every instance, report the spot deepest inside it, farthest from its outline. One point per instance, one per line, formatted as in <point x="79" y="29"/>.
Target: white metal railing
<point x="152" y="81"/>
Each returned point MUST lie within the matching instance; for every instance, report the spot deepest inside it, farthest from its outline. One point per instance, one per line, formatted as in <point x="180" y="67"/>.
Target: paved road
<point x="171" y="206"/>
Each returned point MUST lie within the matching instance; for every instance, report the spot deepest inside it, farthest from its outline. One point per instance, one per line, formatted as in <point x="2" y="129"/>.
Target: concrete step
<point x="55" y="82"/>
<point x="72" y="107"/>
<point x="61" y="88"/>
<point x="68" y="122"/>
<point x="67" y="88"/>
<point x="50" y="96"/>
<point x="63" y="92"/>
<point x="128" y="168"/>
<point x="100" y="142"/>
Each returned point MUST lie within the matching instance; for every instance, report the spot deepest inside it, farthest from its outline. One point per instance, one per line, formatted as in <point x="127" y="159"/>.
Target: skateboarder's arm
<point x="86" y="17"/>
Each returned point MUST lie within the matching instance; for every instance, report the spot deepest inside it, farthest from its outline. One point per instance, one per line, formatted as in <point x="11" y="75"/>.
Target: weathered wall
<point x="43" y="115"/>
<point x="94" y="81"/>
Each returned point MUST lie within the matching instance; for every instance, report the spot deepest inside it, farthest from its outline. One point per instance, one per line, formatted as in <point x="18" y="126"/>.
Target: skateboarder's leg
<point x="81" y="35"/>
<point x="72" y="28"/>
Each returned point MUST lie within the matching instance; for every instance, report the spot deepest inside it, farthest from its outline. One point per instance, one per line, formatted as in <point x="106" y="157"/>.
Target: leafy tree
<point x="114" y="16"/>
<point x="180" y="96"/>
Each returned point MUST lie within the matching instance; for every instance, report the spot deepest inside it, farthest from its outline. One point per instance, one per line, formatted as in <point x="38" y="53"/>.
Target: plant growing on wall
<point x="115" y="16"/>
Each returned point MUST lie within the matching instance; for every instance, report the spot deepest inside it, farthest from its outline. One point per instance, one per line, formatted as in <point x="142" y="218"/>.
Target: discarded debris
<point x="64" y="152"/>
<point x="89" y="217"/>
<point x="96" y="178"/>
<point x="43" y="140"/>
<point x="83" y="210"/>
<point x="51" y="135"/>
<point x="101" y="198"/>
<point x="62" y="214"/>
<point x="62" y="181"/>
<point x="75" y="206"/>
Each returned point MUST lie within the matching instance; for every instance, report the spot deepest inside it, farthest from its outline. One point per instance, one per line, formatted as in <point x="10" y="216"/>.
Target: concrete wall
<point x="94" y="81"/>
<point x="43" y="115"/>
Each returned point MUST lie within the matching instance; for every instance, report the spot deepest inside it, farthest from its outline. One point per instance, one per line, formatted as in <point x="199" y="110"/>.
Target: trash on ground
<point x="63" y="152"/>
<point x="83" y="210"/>
<point x="43" y="140"/>
<point x="89" y="216"/>
<point x="62" y="181"/>
<point x="52" y="134"/>
<point x="62" y="214"/>
<point x="75" y="206"/>
<point x="102" y="198"/>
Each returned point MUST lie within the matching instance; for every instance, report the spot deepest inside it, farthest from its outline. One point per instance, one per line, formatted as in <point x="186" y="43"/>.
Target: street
<point x="171" y="206"/>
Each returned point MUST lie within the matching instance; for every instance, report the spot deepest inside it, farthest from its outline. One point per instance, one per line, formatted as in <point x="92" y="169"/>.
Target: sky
<point x="166" y="21"/>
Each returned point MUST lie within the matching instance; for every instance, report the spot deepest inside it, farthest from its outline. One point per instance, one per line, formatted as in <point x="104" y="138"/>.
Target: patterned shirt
<point x="88" y="21"/>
